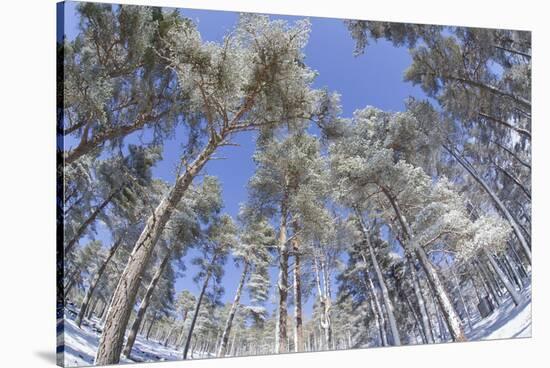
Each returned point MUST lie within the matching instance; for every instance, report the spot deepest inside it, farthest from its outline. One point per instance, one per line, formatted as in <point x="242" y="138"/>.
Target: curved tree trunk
<point x="95" y="281"/>
<point x="511" y="289"/>
<point x="143" y="307"/>
<point x="425" y="319"/>
<point x="498" y="203"/>
<point x="80" y="231"/>
<point x="123" y="299"/>
<point x="376" y="308"/>
<point x="227" y="330"/>
<point x="381" y="281"/>
<point x="449" y="312"/>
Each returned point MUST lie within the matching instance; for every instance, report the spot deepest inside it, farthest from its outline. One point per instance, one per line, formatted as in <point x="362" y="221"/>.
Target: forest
<point x="371" y="229"/>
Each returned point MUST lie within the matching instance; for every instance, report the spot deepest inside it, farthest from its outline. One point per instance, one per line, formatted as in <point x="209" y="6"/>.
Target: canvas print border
<point x="244" y="184"/>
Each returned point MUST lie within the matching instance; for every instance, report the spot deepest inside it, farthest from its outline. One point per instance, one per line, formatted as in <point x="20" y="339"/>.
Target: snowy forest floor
<point x="507" y="321"/>
<point x="81" y="346"/>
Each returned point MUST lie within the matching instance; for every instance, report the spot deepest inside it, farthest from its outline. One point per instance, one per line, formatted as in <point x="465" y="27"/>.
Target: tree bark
<point x="80" y="231"/>
<point x="87" y="145"/>
<point x="153" y="321"/>
<point x="298" y="324"/>
<point x="514" y="155"/>
<point x="227" y="330"/>
<point x="462" y="299"/>
<point x="95" y="281"/>
<point x="282" y="284"/>
<point x="377" y="311"/>
<point x="521" y="131"/>
<point x="514" y="271"/>
<point x="425" y="319"/>
<point x="144" y="305"/>
<point x="197" y="308"/>
<point x="515" y="180"/>
<point x="182" y="335"/>
<point x="449" y="312"/>
<point x="170" y="334"/>
<point x="112" y="338"/>
<point x="511" y="289"/>
<point x="498" y="203"/>
<point x="380" y="279"/>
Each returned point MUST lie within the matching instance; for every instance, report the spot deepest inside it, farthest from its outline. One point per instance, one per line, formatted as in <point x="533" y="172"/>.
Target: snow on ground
<point x="505" y="322"/>
<point x="81" y="345"/>
<point x="508" y="321"/>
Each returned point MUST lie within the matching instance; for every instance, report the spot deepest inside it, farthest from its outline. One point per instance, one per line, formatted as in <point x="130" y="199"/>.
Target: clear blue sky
<point x="375" y="78"/>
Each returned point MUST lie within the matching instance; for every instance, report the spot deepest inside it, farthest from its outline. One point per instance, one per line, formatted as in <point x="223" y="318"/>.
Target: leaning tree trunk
<point x="498" y="203"/>
<point x="95" y="281"/>
<point x="376" y="308"/>
<point x="426" y="325"/>
<point x="144" y="305"/>
<point x="197" y="308"/>
<point x="449" y="312"/>
<point x="123" y="299"/>
<point x="91" y="309"/>
<point x="298" y="324"/>
<point x="511" y="289"/>
<point x="487" y="283"/>
<point x="460" y="294"/>
<point x="153" y="321"/>
<point x="179" y="341"/>
<point x="227" y="330"/>
<point x="80" y="231"/>
<point x="169" y="334"/>
<point x="381" y="281"/>
<point x="282" y="284"/>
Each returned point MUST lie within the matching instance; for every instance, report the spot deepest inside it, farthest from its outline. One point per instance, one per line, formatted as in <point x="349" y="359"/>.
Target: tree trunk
<point x="153" y="321"/>
<point x="462" y="299"/>
<point x="112" y="338"/>
<point x="378" y="318"/>
<point x="453" y="321"/>
<point x="515" y="180"/>
<point x="282" y="284"/>
<point x="511" y="289"/>
<point x="521" y="131"/>
<point x="324" y="300"/>
<point x="91" y="309"/>
<point x="449" y="312"/>
<point x="169" y="334"/>
<point x="381" y="281"/>
<point x="488" y="284"/>
<point x="511" y="153"/>
<point x="227" y="330"/>
<point x="196" y="313"/>
<point x="144" y="305"/>
<point x="514" y="271"/>
<point x="182" y="335"/>
<point x="498" y="203"/>
<point x="425" y="319"/>
<point x="298" y="325"/>
<point x="95" y="280"/>
<point x="89" y="221"/>
<point x="421" y="331"/>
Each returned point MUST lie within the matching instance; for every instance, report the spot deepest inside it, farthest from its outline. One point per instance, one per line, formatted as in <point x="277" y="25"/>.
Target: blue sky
<point x="374" y="78"/>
